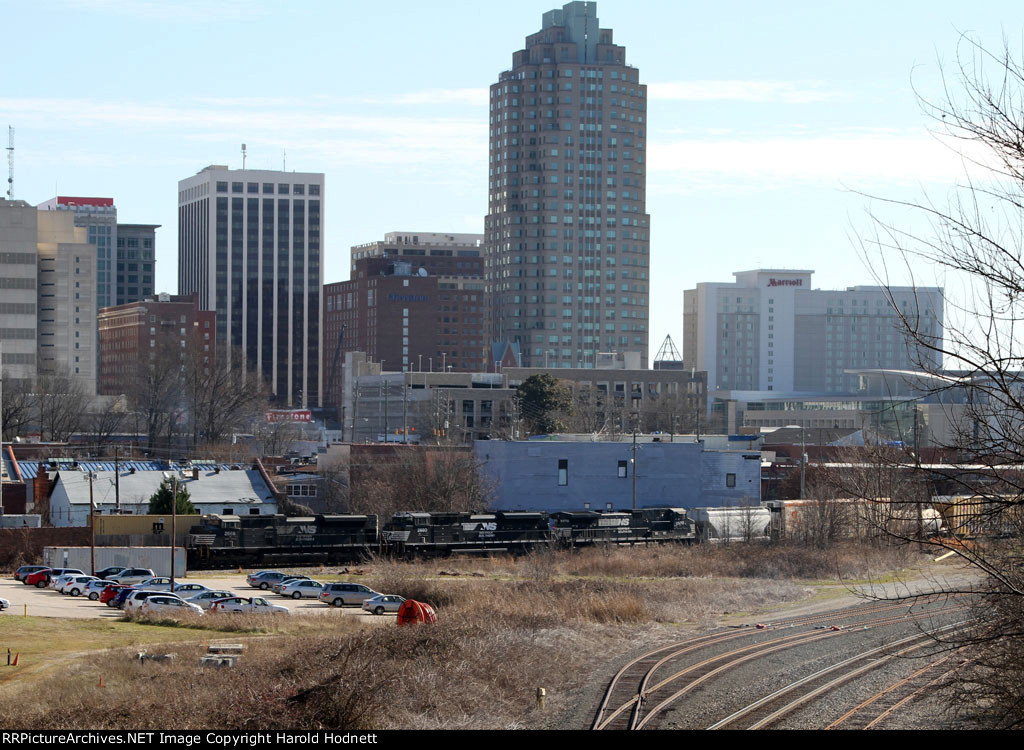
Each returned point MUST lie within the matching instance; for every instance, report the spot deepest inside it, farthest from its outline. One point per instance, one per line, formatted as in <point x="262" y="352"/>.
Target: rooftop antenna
<point x="243" y="156"/>
<point x="284" y="160"/>
<point x="10" y="163"/>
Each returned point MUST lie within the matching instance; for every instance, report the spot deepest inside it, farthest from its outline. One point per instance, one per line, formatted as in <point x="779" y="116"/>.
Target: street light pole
<point x="92" y="529"/>
<point x="803" y="460"/>
<point x="635" y="397"/>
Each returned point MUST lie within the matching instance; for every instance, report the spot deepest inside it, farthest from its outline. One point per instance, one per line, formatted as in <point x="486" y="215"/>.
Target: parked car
<point x="156" y="583"/>
<point x="256" y="605"/>
<point x="56" y="582"/>
<point x="93" y="589"/>
<point x="265" y="579"/>
<point x="4" y="604"/>
<point x="189" y="589"/>
<point x="117" y="602"/>
<point x="111" y="591"/>
<point x="302" y="588"/>
<point x="135" y="599"/>
<point x="26" y="570"/>
<point x="383" y="603"/>
<point x="277" y="587"/>
<point x="205" y="599"/>
<point x="167" y="604"/>
<point x="340" y="594"/>
<point x="133" y="575"/>
<point x="41" y="578"/>
<point x="111" y="571"/>
<point x="75" y="585"/>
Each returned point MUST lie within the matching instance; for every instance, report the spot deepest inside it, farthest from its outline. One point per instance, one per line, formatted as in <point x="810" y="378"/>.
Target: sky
<point x="770" y="125"/>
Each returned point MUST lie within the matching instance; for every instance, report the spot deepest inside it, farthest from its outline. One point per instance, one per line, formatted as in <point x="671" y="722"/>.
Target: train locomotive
<point x="221" y="541"/>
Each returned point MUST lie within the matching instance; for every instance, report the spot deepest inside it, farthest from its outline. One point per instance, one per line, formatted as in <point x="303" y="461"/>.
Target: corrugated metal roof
<point x="29" y="468"/>
<point x="225" y="487"/>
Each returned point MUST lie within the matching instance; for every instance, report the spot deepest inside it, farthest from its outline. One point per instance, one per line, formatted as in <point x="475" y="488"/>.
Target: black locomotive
<point x="230" y="541"/>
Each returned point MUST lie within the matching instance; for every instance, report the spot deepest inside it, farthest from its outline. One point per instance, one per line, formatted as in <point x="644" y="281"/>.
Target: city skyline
<point x="755" y="157"/>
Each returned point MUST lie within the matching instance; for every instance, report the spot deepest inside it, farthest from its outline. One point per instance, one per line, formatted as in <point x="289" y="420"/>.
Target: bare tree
<point x="17" y="406"/>
<point x="433" y="479"/>
<point x="60" y="402"/>
<point x="107" y="416"/>
<point x="220" y="397"/>
<point x="156" y="392"/>
<point x="976" y="240"/>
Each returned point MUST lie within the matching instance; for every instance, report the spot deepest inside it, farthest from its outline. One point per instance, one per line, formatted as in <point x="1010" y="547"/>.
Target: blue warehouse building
<point x="554" y="475"/>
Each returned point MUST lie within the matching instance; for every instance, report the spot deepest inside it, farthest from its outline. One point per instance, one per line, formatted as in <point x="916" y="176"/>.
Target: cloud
<point x="832" y="158"/>
<point x="178" y="11"/>
<point x="372" y="140"/>
<point x="469" y="97"/>
<point x="792" y="92"/>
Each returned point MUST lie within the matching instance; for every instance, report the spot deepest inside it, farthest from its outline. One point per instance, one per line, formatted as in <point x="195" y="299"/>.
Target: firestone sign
<point x="785" y="282"/>
<point x="289" y="415"/>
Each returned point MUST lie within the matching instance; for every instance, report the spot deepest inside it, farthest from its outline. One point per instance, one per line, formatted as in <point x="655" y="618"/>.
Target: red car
<point x="111" y="591"/>
<point x="40" y="578"/>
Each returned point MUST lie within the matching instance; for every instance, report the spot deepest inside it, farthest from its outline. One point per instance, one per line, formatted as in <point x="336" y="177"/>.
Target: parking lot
<point x="49" y="603"/>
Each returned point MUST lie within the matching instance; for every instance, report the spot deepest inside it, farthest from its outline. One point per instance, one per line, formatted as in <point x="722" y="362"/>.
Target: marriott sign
<point x="785" y="282"/>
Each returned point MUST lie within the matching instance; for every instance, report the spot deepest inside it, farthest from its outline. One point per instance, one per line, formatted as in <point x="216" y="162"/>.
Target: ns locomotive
<point x="228" y="541"/>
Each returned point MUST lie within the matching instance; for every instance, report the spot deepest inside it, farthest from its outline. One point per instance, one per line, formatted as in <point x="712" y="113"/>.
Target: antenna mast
<point x="243" y="156"/>
<point x="10" y="163"/>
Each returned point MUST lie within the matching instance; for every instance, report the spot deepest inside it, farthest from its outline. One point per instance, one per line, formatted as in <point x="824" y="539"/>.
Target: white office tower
<point x="770" y="331"/>
<point x="249" y="244"/>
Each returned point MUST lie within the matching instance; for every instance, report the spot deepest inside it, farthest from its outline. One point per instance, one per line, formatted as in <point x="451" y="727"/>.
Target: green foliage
<point x="543" y="401"/>
<point x="160" y="502"/>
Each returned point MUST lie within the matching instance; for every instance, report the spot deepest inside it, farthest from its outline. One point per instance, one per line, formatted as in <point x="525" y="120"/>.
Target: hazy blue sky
<point x="765" y="120"/>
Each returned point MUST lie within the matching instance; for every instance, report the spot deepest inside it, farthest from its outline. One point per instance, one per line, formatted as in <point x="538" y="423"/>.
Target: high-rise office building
<point x="47" y="296"/>
<point x="136" y="262"/>
<point x="99" y="217"/>
<point x="567" y="233"/>
<point x="249" y="244"/>
<point x="125" y="253"/>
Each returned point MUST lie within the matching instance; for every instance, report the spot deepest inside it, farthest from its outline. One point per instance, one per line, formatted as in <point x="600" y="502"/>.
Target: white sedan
<point x="256" y="605"/>
<point x="168" y="605"/>
<point x="74" y="585"/>
<point x="205" y="599"/>
<point x="4" y="604"/>
<point x="302" y="588"/>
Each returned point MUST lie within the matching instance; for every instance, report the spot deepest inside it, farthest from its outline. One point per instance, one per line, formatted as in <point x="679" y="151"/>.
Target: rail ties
<point x="634" y="697"/>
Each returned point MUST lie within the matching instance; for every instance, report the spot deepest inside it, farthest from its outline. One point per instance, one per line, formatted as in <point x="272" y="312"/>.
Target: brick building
<point x="414" y="302"/>
<point x="127" y="332"/>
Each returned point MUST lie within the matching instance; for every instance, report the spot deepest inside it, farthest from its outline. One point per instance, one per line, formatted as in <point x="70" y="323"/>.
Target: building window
<point x="623" y="471"/>
<point x="563" y="472"/>
<point x="730" y="480"/>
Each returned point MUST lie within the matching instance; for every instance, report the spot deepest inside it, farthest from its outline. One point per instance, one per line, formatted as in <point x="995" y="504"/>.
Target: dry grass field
<point x="506" y="626"/>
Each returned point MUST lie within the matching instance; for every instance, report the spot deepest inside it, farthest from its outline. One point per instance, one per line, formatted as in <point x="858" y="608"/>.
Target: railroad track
<point x="772" y="708"/>
<point x="638" y="693"/>
<point x="868" y="714"/>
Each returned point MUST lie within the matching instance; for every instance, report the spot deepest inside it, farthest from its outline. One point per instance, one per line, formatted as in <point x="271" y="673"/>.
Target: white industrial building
<point x="239" y="492"/>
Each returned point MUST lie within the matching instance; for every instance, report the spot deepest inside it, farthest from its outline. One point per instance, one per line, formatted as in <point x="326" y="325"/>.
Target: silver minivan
<point x="340" y="594"/>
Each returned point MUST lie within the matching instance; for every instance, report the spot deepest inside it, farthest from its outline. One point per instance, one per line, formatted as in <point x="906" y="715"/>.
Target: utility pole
<point x="117" y="483"/>
<point x="92" y="529"/>
<point x="174" y="525"/>
<point x="405" y="411"/>
<point x="387" y="387"/>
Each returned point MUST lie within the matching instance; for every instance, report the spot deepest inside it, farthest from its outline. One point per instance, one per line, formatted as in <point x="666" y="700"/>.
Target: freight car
<point x="229" y="541"/>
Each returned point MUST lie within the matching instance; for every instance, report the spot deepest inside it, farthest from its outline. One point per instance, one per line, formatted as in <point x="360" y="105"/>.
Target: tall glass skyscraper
<point x="249" y="244"/>
<point x="567" y="234"/>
